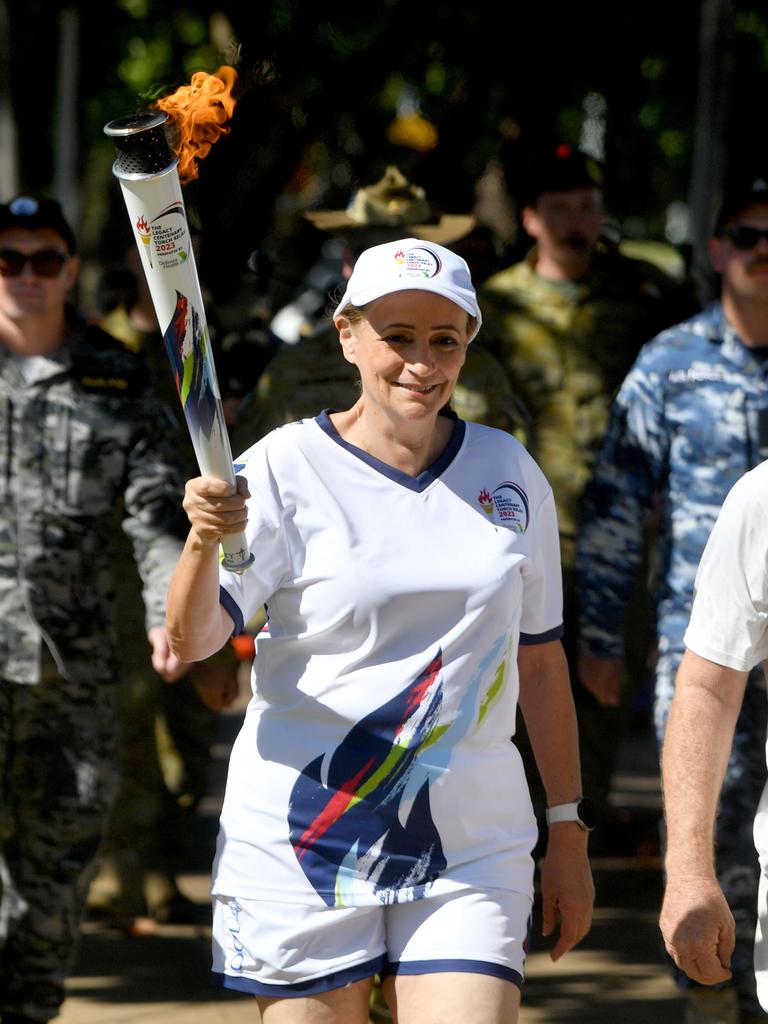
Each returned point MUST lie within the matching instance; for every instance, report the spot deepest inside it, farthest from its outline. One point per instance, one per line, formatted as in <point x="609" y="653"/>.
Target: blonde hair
<point x="356" y="314"/>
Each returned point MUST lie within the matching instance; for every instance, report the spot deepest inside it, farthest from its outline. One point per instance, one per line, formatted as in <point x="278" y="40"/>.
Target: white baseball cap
<point x="407" y="264"/>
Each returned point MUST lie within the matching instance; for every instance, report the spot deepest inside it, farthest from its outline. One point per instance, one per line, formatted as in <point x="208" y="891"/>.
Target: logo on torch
<point x="145" y="234"/>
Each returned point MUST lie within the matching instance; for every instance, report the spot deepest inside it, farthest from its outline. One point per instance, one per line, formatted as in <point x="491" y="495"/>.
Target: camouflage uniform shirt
<point x="81" y="434"/>
<point x="689" y="420"/>
<point x="567" y="346"/>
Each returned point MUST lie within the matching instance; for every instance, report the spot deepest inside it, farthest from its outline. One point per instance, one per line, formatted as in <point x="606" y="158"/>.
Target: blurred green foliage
<point x="321" y="86"/>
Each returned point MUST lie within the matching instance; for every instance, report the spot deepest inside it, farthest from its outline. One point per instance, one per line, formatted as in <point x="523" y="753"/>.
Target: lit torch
<point x="150" y="175"/>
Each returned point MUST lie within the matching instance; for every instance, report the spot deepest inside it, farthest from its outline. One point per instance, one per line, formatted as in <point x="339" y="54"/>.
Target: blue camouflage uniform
<point x="690" y="418"/>
<point x="82" y="441"/>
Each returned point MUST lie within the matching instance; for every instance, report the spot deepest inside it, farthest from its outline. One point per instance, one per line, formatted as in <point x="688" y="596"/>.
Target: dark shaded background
<point x="322" y="85"/>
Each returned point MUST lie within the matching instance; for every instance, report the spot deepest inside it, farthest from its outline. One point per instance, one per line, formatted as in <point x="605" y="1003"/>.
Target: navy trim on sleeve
<point x="230" y="606"/>
<point x="527" y="639"/>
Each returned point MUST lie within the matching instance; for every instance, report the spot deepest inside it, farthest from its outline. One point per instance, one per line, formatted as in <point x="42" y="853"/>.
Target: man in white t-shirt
<point x="727" y="636"/>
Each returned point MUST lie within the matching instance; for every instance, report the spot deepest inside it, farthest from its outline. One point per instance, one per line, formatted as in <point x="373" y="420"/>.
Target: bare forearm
<point x="546" y="702"/>
<point x="696" y="921"/>
<point x="197" y="624"/>
<point x="694" y="758"/>
<point x="547" y="705"/>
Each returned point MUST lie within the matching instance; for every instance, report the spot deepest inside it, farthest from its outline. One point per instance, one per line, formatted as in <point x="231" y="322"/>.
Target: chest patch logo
<point x="508" y="503"/>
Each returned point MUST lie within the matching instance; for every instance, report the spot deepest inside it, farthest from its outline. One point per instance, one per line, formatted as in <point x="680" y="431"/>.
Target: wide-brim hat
<point x="390" y="209"/>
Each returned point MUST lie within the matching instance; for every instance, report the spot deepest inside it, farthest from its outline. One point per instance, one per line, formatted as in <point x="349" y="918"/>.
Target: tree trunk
<point x="9" y="152"/>
<point x="712" y="102"/>
<point x="65" y="168"/>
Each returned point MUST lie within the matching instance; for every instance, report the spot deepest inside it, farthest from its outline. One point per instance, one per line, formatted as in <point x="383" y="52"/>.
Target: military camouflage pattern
<point x="567" y="346"/>
<point x="686" y="425"/>
<point x="689" y="420"/>
<point x="75" y="443"/>
<point x="82" y="437"/>
<point x="312" y="375"/>
<point x="54" y="794"/>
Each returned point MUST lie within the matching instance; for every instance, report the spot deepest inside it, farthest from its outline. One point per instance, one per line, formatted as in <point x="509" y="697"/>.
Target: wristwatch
<point x="579" y="811"/>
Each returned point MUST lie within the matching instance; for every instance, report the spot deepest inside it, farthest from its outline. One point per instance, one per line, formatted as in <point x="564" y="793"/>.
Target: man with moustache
<point x="566" y="323"/>
<point x="689" y="421"/>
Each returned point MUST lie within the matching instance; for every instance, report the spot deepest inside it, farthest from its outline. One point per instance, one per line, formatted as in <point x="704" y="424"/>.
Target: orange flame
<point x="199" y="112"/>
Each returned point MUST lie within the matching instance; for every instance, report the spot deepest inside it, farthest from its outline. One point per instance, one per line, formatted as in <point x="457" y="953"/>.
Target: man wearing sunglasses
<point x="690" y="419"/>
<point x="82" y="438"/>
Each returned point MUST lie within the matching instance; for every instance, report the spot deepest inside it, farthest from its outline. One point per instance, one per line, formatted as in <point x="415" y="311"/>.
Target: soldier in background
<point x="566" y="323"/>
<point x="84" y="434"/>
<point x="311" y="375"/>
<point x="690" y="419"/>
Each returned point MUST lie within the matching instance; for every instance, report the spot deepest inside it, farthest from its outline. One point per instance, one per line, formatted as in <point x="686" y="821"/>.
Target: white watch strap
<point x="563" y="812"/>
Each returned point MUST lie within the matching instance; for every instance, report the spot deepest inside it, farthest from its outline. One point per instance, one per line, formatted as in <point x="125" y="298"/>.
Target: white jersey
<point x="375" y="763"/>
<point x="729" y="618"/>
<point x="729" y="626"/>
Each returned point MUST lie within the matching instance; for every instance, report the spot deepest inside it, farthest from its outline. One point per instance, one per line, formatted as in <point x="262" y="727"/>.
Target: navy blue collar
<point x="413" y="483"/>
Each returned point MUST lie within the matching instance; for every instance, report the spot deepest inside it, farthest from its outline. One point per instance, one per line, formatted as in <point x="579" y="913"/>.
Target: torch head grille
<point x="141" y="142"/>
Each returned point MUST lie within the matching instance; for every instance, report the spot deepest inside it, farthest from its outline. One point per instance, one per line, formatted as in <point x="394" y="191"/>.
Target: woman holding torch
<point x="377" y="819"/>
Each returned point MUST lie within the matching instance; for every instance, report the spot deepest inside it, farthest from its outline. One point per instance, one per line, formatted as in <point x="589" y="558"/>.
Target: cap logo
<point x="417" y="262"/>
<point x="24" y="206"/>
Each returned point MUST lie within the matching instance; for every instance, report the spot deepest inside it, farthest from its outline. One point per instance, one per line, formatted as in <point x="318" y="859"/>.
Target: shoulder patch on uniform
<point x="697" y="374"/>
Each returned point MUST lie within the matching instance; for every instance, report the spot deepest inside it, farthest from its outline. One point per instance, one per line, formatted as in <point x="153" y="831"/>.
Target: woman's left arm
<point x="547" y="705"/>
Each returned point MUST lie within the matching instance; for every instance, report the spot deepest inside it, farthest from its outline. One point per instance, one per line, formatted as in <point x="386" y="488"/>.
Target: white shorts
<point x="281" y="949"/>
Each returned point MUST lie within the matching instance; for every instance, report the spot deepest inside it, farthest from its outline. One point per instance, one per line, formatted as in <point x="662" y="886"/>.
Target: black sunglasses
<point x="44" y="263"/>
<point x="742" y="236"/>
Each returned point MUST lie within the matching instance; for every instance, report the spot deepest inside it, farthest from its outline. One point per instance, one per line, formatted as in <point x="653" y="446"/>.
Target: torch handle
<point x="161" y="230"/>
<point x="235" y="555"/>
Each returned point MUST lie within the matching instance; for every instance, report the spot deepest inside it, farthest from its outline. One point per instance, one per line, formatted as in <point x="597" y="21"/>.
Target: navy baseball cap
<point x="739" y="193"/>
<point x="32" y="214"/>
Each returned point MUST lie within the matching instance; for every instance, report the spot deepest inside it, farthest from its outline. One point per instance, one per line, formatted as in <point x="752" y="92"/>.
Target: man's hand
<point x="164" y="662"/>
<point x="698" y="929"/>
<point x="602" y="677"/>
<point x="568" y="893"/>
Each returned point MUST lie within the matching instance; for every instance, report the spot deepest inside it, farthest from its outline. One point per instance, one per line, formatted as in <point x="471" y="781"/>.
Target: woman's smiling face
<point x="409" y="350"/>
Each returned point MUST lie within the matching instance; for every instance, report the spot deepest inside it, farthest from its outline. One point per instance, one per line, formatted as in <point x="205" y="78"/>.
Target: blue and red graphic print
<point x="362" y="813"/>
<point x="187" y="346"/>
